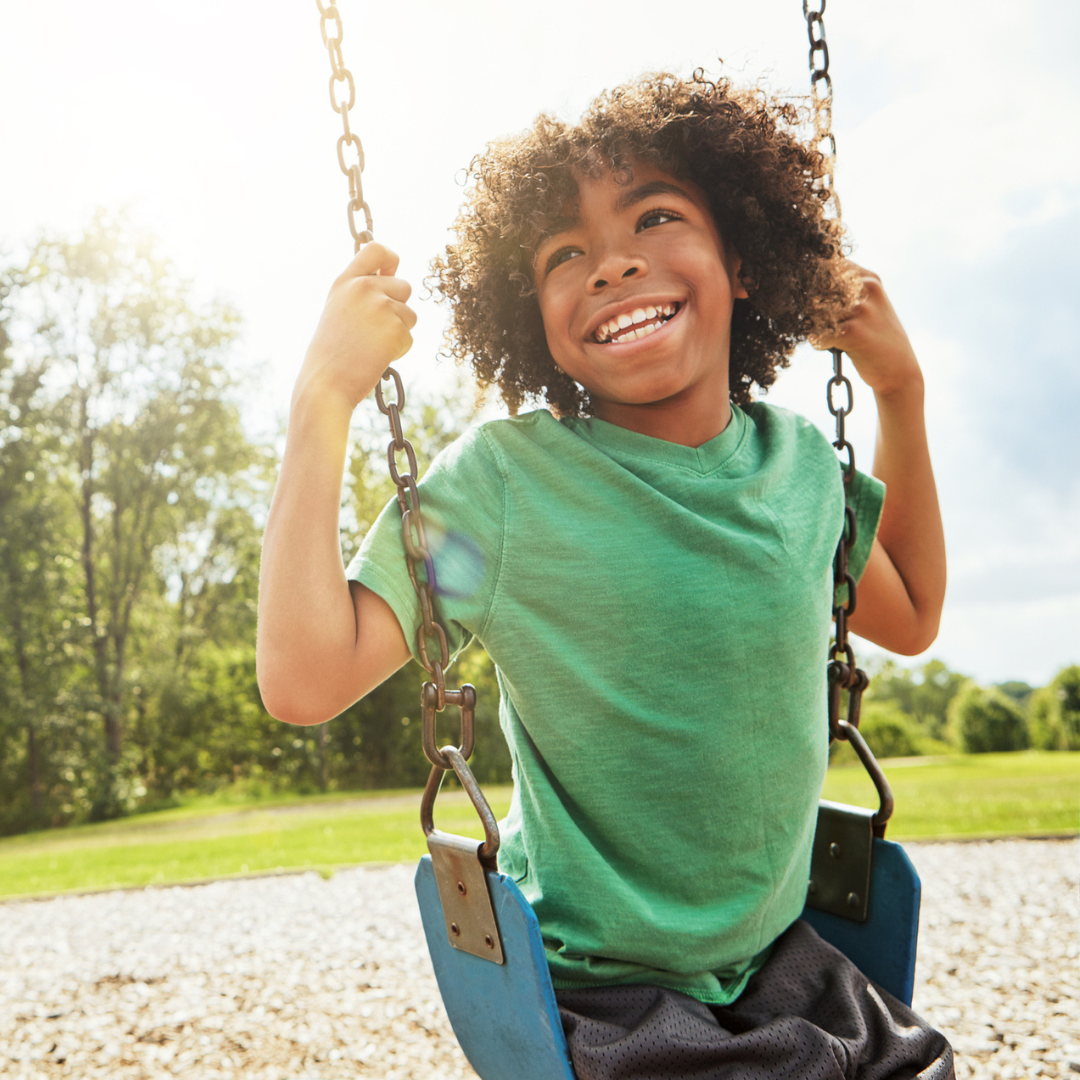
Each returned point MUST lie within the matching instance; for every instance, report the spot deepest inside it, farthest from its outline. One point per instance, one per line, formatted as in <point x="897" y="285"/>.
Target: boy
<point x="650" y="570"/>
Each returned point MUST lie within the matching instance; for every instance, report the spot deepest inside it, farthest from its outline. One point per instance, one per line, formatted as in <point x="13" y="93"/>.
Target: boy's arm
<point x="902" y="590"/>
<point x="323" y="642"/>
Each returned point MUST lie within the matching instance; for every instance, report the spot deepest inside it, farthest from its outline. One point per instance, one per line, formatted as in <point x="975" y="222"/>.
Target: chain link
<point x="414" y="538"/>
<point x="843" y="672"/>
<point x="821" y="92"/>
<point x="330" y="20"/>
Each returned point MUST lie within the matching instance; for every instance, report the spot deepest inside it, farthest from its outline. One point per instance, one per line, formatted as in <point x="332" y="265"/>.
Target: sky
<point x="959" y="173"/>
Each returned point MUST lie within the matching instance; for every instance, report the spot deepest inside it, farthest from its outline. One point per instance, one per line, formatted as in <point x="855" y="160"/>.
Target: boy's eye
<point x="656" y="217"/>
<point x="557" y="258"/>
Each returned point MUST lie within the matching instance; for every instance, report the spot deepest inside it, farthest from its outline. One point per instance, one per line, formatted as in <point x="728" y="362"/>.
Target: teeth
<point x="615" y="327"/>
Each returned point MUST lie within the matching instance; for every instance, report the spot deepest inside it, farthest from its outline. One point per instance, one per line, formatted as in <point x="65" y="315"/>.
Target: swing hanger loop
<point x="456" y="761"/>
<point x="872" y="766"/>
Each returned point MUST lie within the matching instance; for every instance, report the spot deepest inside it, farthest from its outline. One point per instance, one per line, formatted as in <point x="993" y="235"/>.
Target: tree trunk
<point x="323" y="742"/>
<point x="37" y="799"/>
<point x="22" y="663"/>
<point x="99" y="639"/>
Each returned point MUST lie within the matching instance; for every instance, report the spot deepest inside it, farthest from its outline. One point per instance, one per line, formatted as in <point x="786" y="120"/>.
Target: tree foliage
<point x="122" y="444"/>
<point x="922" y="693"/>
<point x="889" y="732"/>
<point x="1055" y="712"/>
<point x="131" y="505"/>
<point x="985" y="720"/>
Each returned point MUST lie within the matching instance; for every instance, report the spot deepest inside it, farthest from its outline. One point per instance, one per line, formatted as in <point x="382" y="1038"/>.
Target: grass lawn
<point x="1032" y="793"/>
<point x="980" y="795"/>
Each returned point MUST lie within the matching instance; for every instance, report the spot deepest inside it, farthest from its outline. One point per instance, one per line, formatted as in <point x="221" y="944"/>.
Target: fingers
<point x="404" y="313"/>
<point x="373" y="258"/>
<point x="397" y="338"/>
<point x="833" y="340"/>
<point x="374" y="268"/>
<point x="865" y="311"/>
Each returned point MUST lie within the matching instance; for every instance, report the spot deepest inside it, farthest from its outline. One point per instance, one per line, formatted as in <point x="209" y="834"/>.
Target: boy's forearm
<point x="307" y="626"/>
<point x="911" y="531"/>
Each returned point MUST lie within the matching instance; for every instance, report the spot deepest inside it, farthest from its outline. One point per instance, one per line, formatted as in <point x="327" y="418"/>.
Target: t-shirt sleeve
<point x="462" y="497"/>
<point x="866" y="496"/>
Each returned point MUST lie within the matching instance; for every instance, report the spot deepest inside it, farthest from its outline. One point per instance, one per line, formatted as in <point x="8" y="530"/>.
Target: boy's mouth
<point x="631" y="325"/>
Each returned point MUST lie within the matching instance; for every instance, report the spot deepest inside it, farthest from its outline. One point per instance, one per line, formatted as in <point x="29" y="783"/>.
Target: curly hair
<point x="764" y="187"/>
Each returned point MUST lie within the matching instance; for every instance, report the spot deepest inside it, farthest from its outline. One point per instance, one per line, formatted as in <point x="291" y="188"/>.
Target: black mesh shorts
<point x="808" y="1014"/>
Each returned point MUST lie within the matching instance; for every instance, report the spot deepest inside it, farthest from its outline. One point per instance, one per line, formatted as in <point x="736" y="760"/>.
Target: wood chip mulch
<point x="300" y="978"/>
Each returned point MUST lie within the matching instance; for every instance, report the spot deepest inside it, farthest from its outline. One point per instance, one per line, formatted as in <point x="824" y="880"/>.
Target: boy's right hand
<point x="364" y="327"/>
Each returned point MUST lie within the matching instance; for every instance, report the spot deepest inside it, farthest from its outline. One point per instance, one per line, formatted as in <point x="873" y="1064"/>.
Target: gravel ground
<point x="296" y="977"/>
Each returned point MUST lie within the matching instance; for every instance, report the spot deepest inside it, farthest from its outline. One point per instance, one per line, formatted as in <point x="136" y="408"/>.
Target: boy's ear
<point x="738" y="289"/>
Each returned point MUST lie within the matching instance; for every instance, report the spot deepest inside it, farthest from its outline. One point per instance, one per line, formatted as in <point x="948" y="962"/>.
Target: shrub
<point x="888" y="732"/>
<point x="984" y="721"/>
<point x="1054" y="719"/>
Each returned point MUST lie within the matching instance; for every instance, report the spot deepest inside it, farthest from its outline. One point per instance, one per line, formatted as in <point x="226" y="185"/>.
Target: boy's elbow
<point x="294" y="712"/>
<point x="282" y="706"/>
<point x="288" y="700"/>
<point x="916" y="637"/>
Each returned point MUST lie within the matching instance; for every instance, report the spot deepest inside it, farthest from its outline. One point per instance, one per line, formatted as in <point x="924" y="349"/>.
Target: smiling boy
<point x="648" y="565"/>
<point x="648" y="244"/>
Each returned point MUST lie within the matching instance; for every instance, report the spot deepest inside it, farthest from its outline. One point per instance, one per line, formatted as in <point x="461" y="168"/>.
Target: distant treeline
<point x="131" y="510"/>
<point x="932" y="710"/>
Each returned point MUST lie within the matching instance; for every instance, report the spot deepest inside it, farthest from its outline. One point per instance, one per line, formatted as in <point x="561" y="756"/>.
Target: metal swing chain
<point x="843" y="672"/>
<point x="822" y="94"/>
<point x="339" y="73"/>
<point x="434" y="696"/>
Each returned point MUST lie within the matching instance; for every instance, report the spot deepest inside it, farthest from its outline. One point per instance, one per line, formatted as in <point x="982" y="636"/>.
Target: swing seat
<point x="864" y="897"/>
<point x="505" y="1015"/>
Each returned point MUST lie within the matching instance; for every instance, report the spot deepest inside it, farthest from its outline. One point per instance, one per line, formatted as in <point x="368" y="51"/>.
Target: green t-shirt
<point x="659" y="617"/>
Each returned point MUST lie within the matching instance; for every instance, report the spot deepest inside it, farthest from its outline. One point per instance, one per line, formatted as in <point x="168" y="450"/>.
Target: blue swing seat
<point x="505" y="1015"/>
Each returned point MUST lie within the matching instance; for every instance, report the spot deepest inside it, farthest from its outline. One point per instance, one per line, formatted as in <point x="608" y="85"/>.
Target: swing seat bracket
<point x="466" y="904"/>
<point x="840" y="862"/>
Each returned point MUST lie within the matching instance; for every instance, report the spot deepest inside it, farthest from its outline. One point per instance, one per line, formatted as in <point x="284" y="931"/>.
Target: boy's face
<point x="636" y="292"/>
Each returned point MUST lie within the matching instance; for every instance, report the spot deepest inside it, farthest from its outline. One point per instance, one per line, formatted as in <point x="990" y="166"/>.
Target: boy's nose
<point x="615" y="268"/>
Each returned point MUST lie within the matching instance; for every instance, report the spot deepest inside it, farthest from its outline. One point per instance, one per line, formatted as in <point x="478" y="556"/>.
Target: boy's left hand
<point x="875" y="340"/>
<point x="903" y="588"/>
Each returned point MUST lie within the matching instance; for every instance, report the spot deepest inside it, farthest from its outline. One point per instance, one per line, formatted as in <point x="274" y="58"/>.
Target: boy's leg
<point x="808" y="1014"/>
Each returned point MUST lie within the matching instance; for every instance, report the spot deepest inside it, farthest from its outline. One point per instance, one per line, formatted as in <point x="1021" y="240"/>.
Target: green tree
<point x="984" y="721"/>
<point x="41" y="751"/>
<point x="1018" y="691"/>
<point x="888" y="731"/>
<point x="1054" y="716"/>
<point x="131" y="506"/>
<point x="923" y="693"/>
<point x="149" y="434"/>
